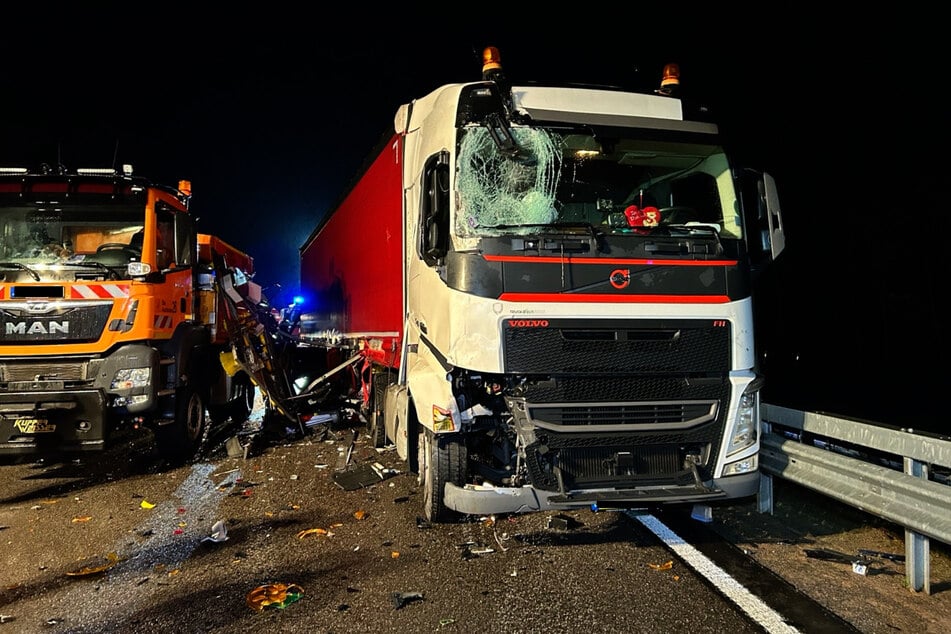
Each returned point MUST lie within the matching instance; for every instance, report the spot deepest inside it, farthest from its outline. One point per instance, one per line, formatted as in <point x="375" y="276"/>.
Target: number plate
<point x="34" y="425"/>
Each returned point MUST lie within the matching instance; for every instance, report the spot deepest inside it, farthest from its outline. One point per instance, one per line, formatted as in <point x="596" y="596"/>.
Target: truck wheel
<point x="180" y="440"/>
<point x="377" y="429"/>
<point x="442" y="459"/>
<point x="242" y="398"/>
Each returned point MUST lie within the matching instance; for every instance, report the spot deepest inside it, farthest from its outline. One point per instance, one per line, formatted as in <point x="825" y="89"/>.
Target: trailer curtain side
<point x="352" y="268"/>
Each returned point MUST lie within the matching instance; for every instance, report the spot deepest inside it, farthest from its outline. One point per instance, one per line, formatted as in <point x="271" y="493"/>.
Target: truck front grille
<point x="619" y="404"/>
<point x="26" y="323"/>
<point x="588" y="468"/>
<point x="579" y="347"/>
<point x="67" y="370"/>
<point x="655" y="414"/>
<point x="572" y="461"/>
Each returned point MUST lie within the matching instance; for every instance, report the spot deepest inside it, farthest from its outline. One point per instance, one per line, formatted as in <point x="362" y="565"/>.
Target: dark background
<point x="271" y="110"/>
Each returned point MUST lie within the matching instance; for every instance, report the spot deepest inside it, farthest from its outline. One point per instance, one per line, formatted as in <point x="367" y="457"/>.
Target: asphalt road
<point x="123" y="543"/>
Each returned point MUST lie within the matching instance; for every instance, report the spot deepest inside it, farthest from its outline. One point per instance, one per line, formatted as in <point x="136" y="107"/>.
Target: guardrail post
<point x="764" y="499"/>
<point x="917" y="546"/>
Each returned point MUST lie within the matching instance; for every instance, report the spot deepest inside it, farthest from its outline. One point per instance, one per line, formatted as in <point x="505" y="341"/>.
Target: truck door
<point x="174" y="255"/>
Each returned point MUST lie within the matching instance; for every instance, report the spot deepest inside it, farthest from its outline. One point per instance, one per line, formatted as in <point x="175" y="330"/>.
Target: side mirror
<point x="154" y="277"/>
<point x="435" y="210"/>
<point x="774" y="216"/>
<point x="764" y="221"/>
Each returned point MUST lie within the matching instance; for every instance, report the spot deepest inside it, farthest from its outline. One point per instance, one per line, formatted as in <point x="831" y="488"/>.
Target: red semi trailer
<point x="358" y="284"/>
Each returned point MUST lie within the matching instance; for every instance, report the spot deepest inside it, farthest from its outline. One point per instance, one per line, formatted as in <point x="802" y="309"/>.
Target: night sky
<point x="271" y="112"/>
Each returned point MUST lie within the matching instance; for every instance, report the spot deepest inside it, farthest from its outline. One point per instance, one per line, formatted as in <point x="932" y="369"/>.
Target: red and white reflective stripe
<point x="98" y="291"/>
<point x="3" y="291"/>
<point x="162" y="322"/>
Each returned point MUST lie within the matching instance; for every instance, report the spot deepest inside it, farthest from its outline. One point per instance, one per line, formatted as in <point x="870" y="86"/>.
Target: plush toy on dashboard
<point x="642" y="216"/>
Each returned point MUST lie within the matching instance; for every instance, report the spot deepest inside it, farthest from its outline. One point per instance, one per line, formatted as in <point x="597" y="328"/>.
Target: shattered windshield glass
<point x="502" y="189"/>
<point x="67" y="234"/>
<point x="618" y="181"/>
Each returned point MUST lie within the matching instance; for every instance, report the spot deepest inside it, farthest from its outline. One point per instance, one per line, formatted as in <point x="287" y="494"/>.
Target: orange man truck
<point x="108" y="317"/>
<point x="552" y="288"/>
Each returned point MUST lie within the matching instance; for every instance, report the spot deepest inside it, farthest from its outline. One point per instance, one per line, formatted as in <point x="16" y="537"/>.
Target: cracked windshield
<point x="38" y="239"/>
<point x="615" y="184"/>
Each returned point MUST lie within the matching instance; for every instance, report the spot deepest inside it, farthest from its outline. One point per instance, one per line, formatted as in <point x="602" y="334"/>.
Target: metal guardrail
<point x="879" y="470"/>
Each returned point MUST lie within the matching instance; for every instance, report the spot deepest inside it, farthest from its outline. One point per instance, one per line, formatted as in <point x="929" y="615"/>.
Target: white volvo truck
<point x="551" y="287"/>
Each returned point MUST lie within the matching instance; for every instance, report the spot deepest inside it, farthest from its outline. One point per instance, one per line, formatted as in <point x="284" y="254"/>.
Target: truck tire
<point x="242" y="398"/>
<point x="377" y="428"/>
<point x="240" y="402"/>
<point x="442" y="459"/>
<point x="180" y="440"/>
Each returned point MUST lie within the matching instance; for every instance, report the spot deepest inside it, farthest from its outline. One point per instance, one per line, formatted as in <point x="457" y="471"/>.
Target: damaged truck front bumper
<point x="482" y="499"/>
<point x="80" y="409"/>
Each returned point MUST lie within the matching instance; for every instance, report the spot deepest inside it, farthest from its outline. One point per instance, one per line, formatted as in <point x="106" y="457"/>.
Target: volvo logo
<point x="528" y="323"/>
<point x="37" y="328"/>
<point x="620" y="278"/>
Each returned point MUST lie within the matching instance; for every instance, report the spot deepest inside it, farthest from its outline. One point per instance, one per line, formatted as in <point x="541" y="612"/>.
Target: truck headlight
<point x="746" y="428"/>
<point x="128" y="378"/>
<point x="138" y="269"/>
<point x="124" y="401"/>
<point x="744" y="465"/>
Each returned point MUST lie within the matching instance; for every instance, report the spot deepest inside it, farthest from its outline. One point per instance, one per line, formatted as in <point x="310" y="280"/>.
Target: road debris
<point x="236" y="449"/>
<point x="219" y="533"/>
<point x="562" y="522"/>
<point x="402" y="598"/>
<point x="362" y="475"/>
<point x="558" y="523"/>
<point x="273" y="595"/>
<point x="471" y="550"/>
<point x="345" y="452"/>
<point x="498" y="540"/>
<point x="311" y="532"/>
<point x="94" y="566"/>
<point x="702" y="513"/>
<point x="422" y="523"/>
<point x="861" y="563"/>
<point x="826" y="554"/>
<point x="864" y="552"/>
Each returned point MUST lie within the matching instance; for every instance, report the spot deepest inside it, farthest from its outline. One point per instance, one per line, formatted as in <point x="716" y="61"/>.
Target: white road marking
<point x="743" y="598"/>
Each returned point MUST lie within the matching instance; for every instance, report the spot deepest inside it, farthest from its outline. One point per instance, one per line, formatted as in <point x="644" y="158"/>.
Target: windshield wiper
<point x="699" y="230"/>
<point x="696" y="227"/>
<point x="556" y="236"/>
<point x="21" y="267"/>
<point x="692" y="239"/>
<point x="558" y="227"/>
